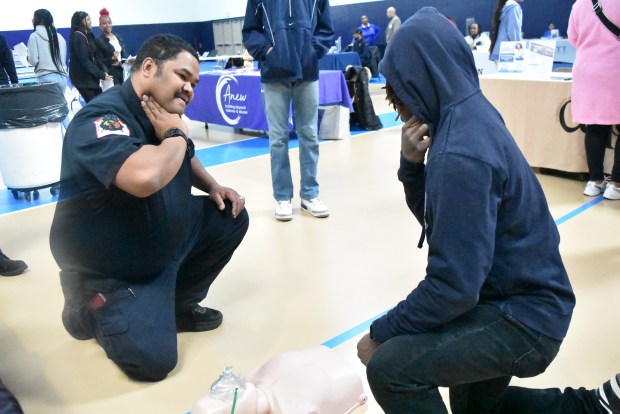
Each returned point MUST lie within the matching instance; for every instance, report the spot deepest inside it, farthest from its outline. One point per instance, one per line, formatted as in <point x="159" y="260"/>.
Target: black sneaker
<point x="199" y="319"/>
<point x="10" y="267"/>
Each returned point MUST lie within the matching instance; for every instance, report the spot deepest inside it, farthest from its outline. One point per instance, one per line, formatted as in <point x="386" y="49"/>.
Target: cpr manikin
<point x="310" y="381"/>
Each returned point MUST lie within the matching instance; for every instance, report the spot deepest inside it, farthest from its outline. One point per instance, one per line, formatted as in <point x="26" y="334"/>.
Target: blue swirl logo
<point x="227" y="101"/>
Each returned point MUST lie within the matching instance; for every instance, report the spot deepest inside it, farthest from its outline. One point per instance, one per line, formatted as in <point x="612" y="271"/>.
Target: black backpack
<point x="357" y="82"/>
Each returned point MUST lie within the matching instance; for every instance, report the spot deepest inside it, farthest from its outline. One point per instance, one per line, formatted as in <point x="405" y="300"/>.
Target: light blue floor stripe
<point x="345" y="336"/>
<point x="579" y="210"/>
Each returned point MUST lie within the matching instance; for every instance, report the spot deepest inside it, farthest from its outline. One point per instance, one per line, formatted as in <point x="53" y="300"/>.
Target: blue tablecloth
<point x="339" y="61"/>
<point x="233" y="98"/>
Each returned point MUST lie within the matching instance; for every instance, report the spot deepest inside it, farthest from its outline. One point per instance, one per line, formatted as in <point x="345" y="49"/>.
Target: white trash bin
<point x="31" y="137"/>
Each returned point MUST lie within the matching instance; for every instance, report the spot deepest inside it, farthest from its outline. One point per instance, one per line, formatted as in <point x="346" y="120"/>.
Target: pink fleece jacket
<point x="596" y="71"/>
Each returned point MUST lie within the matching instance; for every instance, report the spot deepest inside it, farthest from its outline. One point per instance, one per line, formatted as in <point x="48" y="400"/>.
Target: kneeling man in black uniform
<point x="137" y="251"/>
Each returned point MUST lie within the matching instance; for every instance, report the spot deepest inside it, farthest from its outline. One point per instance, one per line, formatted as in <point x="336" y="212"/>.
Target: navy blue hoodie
<point x="491" y="238"/>
<point x="300" y="32"/>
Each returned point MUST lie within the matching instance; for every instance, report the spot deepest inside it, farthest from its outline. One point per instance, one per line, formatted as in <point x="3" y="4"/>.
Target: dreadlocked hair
<point x="43" y="17"/>
<point x="497" y="13"/>
<point x="391" y="97"/>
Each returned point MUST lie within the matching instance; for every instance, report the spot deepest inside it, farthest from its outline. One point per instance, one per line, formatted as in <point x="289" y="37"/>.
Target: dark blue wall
<point x="536" y="14"/>
<point x="199" y="35"/>
<point x="536" y="18"/>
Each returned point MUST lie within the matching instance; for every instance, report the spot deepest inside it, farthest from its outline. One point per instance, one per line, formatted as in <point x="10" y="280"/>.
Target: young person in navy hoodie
<point x="496" y="301"/>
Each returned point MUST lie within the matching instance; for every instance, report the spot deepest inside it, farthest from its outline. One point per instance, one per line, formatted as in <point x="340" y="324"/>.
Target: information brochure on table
<point x="532" y="56"/>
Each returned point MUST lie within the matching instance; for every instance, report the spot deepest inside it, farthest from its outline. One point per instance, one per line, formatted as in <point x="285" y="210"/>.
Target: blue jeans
<point x="61" y="83"/>
<point x="136" y="324"/>
<point x="474" y="355"/>
<point x="305" y="98"/>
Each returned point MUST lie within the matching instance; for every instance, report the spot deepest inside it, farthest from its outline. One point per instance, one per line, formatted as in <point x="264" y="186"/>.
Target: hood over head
<point x="429" y="65"/>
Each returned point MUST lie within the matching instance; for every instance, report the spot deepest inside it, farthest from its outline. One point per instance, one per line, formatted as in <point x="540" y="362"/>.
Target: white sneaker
<point x="284" y="210"/>
<point x="593" y="189"/>
<point x="612" y="192"/>
<point x="314" y="207"/>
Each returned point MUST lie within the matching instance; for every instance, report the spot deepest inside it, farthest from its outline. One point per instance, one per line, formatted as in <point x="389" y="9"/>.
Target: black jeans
<point x="475" y="356"/>
<point x="89" y="93"/>
<point x="596" y="142"/>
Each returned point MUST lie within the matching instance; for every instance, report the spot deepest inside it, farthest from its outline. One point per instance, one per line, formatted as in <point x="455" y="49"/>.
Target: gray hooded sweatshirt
<point x="40" y="55"/>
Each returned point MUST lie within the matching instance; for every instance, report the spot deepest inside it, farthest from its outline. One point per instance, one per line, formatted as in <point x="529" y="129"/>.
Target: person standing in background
<point x="7" y="64"/>
<point x="85" y="71"/>
<point x="596" y="90"/>
<point x="110" y="48"/>
<point x="393" y="24"/>
<point x="289" y="41"/>
<point x="369" y="31"/>
<point x="47" y="51"/>
<point x="505" y="25"/>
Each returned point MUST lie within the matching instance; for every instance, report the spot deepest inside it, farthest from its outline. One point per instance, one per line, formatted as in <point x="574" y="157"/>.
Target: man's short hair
<point x="162" y="48"/>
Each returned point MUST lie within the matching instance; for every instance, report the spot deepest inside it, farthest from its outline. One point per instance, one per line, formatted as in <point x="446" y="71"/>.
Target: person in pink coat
<point x="596" y="89"/>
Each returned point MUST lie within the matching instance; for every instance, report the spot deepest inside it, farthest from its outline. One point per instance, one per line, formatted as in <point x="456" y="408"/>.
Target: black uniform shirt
<point x="99" y="229"/>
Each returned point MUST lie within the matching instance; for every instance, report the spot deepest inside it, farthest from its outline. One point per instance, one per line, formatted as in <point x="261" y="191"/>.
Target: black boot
<point x="10" y="267"/>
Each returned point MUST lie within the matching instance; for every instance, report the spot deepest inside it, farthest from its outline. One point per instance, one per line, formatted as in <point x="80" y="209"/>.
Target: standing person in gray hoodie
<point x="47" y="50"/>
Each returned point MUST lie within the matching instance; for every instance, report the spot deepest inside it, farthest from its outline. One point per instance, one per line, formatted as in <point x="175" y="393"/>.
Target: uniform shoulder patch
<point x="110" y="125"/>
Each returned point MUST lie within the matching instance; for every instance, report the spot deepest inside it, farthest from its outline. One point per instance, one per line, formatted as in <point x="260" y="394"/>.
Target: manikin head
<point x="313" y="380"/>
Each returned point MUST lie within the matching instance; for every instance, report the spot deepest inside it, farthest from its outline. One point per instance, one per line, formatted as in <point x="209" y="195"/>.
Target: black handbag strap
<point x="598" y="9"/>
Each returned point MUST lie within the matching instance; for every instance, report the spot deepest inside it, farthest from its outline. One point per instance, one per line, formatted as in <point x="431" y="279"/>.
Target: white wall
<point x="223" y="9"/>
<point x="126" y="12"/>
<point x="122" y="12"/>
